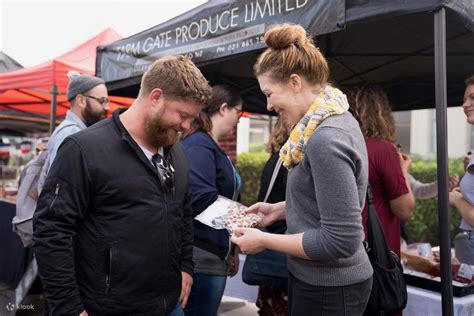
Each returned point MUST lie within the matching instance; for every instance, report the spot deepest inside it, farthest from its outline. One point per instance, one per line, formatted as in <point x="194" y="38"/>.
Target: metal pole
<point x="52" y="123"/>
<point x="442" y="157"/>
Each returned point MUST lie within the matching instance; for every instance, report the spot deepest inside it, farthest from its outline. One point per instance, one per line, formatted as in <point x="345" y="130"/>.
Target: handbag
<point x="269" y="267"/>
<point x="389" y="291"/>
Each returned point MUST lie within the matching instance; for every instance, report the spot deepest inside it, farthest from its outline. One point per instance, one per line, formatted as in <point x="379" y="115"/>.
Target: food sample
<point x="238" y="218"/>
<point x="227" y="214"/>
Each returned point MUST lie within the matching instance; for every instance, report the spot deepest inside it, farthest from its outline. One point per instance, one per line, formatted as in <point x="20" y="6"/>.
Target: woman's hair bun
<point x="284" y="35"/>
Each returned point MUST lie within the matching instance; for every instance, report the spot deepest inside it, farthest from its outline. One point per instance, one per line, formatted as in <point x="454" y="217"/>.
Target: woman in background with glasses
<point x="211" y="173"/>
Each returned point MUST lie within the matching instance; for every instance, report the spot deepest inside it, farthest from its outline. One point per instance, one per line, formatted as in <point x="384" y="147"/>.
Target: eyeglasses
<point x="165" y="170"/>
<point x="103" y="101"/>
<point x="239" y="112"/>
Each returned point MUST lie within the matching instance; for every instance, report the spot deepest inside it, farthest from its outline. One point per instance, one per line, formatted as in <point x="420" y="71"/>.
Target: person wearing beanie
<point x="89" y="102"/>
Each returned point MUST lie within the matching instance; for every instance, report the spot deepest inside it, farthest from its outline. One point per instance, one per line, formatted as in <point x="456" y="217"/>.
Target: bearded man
<point x="89" y="102"/>
<point x="113" y="225"/>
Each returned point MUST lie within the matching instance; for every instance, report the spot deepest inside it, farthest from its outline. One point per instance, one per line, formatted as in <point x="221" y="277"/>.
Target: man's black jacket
<point x="108" y="237"/>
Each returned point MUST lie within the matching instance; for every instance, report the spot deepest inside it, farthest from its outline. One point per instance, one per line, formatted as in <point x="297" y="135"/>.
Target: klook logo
<point x="11" y="307"/>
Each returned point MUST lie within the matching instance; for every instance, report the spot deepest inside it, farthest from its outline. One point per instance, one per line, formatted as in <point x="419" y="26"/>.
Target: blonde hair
<point x="178" y="78"/>
<point x="372" y="109"/>
<point x="291" y="51"/>
<point x="279" y="136"/>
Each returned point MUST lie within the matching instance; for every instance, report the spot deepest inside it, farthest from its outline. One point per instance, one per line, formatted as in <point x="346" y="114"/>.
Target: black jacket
<point x="108" y="237"/>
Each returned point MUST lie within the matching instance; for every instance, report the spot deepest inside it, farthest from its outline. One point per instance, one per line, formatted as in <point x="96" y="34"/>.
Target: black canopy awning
<point x="218" y="34"/>
<point x="389" y="43"/>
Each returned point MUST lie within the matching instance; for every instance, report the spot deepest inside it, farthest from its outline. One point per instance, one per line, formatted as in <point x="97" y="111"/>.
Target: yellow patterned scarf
<point x="330" y="101"/>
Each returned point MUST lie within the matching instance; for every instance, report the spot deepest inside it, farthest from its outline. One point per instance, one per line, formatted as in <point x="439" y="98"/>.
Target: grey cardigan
<point x="324" y="200"/>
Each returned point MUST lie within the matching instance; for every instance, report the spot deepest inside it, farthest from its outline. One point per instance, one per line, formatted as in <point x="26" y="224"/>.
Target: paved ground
<point x="231" y="306"/>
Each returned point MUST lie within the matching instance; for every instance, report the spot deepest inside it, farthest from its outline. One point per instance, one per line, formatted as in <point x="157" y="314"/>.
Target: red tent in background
<point x="30" y="93"/>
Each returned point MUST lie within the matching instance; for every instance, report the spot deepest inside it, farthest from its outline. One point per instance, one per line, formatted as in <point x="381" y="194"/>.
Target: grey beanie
<point x="80" y="84"/>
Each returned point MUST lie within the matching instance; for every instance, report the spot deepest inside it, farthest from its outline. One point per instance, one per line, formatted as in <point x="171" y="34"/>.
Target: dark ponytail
<point x="220" y="94"/>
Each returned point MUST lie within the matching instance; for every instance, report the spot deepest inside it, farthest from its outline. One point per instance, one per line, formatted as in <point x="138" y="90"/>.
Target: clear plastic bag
<point x="225" y="213"/>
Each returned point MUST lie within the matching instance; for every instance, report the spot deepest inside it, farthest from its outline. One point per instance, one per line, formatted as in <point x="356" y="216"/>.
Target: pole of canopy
<point x="52" y="123"/>
<point x="442" y="159"/>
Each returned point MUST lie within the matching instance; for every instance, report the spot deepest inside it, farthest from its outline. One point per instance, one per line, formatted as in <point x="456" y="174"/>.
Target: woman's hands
<point x="455" y="196"/>
<point x="249" y="240"/>
<point x="252" y="240"/>
<point x="453" y="181"/>
<point x="405" y="163"/>
<point x="465" y="209"/>
<point x="271" y="212"/>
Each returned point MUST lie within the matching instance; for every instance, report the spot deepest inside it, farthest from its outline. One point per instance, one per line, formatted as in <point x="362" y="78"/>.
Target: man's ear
<point x="80" y="101"/>
<point x="295" y="82"/>
<point x="156" y="97"/>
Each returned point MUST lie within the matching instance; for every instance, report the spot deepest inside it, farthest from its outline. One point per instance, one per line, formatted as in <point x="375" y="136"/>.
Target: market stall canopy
<point x="26" y="93"/>
<point x="386" y="42"/>
<point x="8" y="126"/>
<point x="7" y="63"/>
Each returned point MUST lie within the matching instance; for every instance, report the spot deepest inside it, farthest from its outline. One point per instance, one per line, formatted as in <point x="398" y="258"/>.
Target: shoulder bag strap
<point x="272" y="180"/>
<point x="375" y="234"/>
<point x="235" y="195"/>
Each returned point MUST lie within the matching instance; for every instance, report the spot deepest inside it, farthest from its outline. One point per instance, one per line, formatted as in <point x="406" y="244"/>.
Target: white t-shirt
<point x="149" y="155"/>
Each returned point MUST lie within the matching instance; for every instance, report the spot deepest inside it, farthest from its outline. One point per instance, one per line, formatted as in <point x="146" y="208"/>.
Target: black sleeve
<point x="187" y="264"/>
<point x="61" y="205"/>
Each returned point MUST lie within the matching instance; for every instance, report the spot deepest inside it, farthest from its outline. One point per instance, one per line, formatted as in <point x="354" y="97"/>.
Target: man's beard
<point x="91" y="116"/>
<point x="159" y="132"/>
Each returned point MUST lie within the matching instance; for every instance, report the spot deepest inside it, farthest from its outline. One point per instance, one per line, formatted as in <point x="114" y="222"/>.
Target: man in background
<point x="89" y="102"/>
<point x="27" y="195"/>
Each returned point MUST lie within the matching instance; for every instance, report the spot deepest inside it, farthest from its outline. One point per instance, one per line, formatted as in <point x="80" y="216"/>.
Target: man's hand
<point x="271" y="212"/>
<point x="186" y="285"/>
<point x="84" y="313"/>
